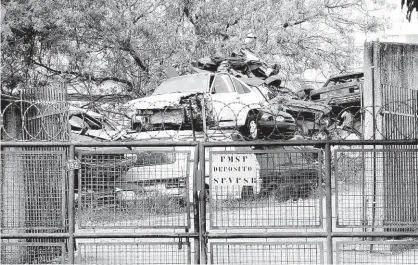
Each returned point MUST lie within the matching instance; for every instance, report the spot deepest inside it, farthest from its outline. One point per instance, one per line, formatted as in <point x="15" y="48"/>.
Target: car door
<point x="224" y="101"/>
<point x="250" y="97"/>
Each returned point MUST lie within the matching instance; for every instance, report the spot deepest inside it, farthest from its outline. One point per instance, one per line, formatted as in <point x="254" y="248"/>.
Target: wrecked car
<point x="340" y="90"/>
<point x="311" y="117"/>
<point x="228" y="103"/>
<point x="289" y="173"/>
<point x="343" y="93"/>
<point x="84" y="122"/>
<point x="97" y="181"/>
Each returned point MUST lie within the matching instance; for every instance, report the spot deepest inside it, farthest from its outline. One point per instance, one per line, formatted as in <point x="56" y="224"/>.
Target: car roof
<point x="346" y="75"/>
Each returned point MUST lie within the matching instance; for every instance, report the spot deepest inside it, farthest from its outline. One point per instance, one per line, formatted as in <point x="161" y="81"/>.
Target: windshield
<point x="187" y="83"/>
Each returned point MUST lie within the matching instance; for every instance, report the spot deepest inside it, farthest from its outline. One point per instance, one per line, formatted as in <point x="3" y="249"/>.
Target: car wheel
<point x="251" y="129"/>
<point x="319" y="135"/>
<point x="247" y="192"/>
<point x="137" y="126"/>
<point x="279" y="192"/>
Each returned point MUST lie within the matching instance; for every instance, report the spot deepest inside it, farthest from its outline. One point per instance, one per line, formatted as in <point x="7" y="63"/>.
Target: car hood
<point x="301" y="105"/>
<point x="97" y="135"/>
<point x="159" y="101"/>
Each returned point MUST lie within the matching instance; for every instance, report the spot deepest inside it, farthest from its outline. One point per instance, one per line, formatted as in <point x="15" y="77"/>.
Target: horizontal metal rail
<point x="99" y="144"/>
<point x="209" y="144"/>
<point x="100" y="235"/>
<point x="309" y="234"/>
<point x="310" y="142"/>
<point x="215" y="235"/>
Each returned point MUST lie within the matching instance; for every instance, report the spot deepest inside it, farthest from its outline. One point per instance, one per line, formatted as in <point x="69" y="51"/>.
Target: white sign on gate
<point x="230" y="172"/>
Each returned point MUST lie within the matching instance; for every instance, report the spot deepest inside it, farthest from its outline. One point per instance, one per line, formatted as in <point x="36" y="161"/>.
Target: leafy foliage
<point x="128" y="43"/>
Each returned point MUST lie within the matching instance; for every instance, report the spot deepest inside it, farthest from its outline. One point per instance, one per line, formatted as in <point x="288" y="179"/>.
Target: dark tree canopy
<point x="127" y="44"/>
<point x="410" y="5"/>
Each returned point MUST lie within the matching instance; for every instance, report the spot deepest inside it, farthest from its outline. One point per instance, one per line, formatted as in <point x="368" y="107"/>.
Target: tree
<point x="410" y="5"/>
<point x="128" y="43"/>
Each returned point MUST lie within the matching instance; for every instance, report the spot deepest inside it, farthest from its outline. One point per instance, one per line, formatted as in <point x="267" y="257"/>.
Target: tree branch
<point x="86" y="76"/>
<point x="288" y="24"/>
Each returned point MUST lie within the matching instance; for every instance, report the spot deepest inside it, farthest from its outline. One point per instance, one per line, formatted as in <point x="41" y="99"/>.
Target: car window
<point x="222" y="84"/>
<point x="241" y="88"/>
<point x="186" y="83"/>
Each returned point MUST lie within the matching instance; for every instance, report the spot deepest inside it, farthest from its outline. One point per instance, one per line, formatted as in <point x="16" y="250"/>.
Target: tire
<point x="280" y="193"/>
<point x="137" y="127"/>
<point x="247" y="192"/>
<point x="251" y="130"/>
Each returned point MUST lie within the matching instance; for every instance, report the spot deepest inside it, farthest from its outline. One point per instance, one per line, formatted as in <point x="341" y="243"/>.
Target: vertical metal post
<point x="196" y="188"/>
<point x="71" y="215"/>
<point x="192" y="120"/>
<point x="328" y="192"/>
<point x="205" y="132"/>
<point x="202" y="234"/>
<point x="373" y="61"/>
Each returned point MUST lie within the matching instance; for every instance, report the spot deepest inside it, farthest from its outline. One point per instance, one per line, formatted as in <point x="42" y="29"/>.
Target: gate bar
<point x="210" y="144"/>
<point x="99" y="144"/>
<point x="196" y="188"/>
<point x="71" y="215"/>
<point x="328" y="202"/>
<point x="311" y="143"/>
<point x="310" y="234"/>
<point x="216" y="236"/>
<point x="202" y="231"/>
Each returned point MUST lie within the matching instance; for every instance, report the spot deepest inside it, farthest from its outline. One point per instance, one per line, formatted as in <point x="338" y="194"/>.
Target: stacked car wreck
<point x="243" y="97"/>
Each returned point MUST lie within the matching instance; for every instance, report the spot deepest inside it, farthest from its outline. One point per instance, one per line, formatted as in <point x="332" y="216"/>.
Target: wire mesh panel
<point x="372" y="193"/>
<point x="279" y="188"/>
<point x="32" y="253"/>
<point x="134" y="253"/>
<point x="377" y="252"/>
<point x="32" y="191"/>
<point x="137" y="189"/>
<point x="267" y="253"/>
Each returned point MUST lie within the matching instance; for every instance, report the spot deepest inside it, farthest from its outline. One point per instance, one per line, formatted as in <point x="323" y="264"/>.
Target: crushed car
<point x="179" y="102"/>
<point x="343" y="93"/>
<point x="343" y="90"/>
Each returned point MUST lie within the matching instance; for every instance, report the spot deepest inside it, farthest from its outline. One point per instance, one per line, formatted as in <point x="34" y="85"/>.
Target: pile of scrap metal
<point x="310" y="116"/>
<point x="243" y="64"/>
<point x="343" y="94"/>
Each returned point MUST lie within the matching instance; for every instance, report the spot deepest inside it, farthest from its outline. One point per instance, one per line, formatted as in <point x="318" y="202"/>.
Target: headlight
<point x="280" y="118"/>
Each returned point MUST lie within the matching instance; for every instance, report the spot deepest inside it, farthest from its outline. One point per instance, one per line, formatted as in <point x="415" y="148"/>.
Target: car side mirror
<point x="213" y="92"/>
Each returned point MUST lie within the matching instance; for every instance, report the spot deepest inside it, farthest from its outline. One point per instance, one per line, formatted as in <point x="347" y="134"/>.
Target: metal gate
<point x="298" y="202"/>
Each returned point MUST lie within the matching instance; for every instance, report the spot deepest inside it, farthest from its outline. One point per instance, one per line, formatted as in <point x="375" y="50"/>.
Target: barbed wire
<point x="198" y="118"/>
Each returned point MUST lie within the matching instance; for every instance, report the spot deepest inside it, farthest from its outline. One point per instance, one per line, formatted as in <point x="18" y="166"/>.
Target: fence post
<point x="71" y="215"/>
<point x="328" y="192"/>
<point x="196" y="188"/>
<point x="202" y="232"/>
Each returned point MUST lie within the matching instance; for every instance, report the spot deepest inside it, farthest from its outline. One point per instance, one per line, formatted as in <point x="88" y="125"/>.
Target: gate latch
<point x="73" y="164"/>
<point x="180" y="243"/>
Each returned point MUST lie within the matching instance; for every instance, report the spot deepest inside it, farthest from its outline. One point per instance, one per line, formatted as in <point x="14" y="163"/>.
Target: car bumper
<point x="278" y="125"/>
